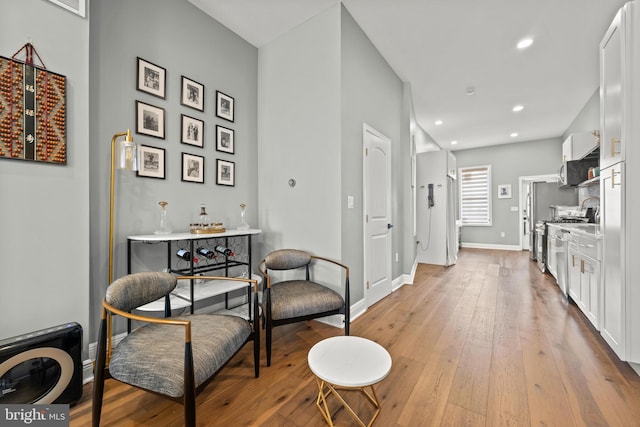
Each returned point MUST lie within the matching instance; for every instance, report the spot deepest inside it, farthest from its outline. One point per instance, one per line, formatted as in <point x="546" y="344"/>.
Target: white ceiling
<point x="443" y="47"/>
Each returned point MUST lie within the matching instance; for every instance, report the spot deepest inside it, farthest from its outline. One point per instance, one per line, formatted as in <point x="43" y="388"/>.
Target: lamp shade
<point x="127" y="154"/>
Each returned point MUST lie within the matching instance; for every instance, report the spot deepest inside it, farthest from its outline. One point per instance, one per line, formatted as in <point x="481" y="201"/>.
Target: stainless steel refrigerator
<point x="543" y="195"/>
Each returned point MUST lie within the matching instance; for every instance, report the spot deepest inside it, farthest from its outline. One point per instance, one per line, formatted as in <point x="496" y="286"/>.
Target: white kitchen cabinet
<point x="613" y="284"/>
<point x="612" y="56"/>
<point x="619" y="174"/>
<point x="578" y="145"/>
<point x="584" y="276"/>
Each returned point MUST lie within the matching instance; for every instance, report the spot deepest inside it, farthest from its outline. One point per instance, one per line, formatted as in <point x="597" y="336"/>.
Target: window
<point x="475" y="195"/>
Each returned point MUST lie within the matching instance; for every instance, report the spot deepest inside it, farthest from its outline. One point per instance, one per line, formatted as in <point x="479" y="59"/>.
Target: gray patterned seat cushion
<point x="295" y="298"/>
<point x="152" y="357"/>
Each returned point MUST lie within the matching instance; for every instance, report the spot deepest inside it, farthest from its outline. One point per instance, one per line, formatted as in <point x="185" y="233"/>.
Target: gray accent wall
<point x="44" y="220"/>
<point x="588" y="118"/>
<point x="373" y="94"/>
<point x="508" y="163"/>
<point x="180" y="38"/>
<point x="318" y="84"/>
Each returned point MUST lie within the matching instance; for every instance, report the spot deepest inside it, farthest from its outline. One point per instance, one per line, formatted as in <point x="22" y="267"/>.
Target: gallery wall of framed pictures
<point x="151" y="120"/>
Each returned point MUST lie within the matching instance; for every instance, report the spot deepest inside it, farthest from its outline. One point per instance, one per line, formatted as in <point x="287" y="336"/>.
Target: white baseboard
<point x="491" y="246"/>
<point x="405" y="279"/>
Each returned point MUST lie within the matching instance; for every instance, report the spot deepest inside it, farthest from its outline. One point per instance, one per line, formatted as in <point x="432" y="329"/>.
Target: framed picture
<point x="152" y="78"/>
<point x="149" y="120"/>
<point x="192" y="94"/>
<point x="79" y="7"/>
<point x="152" y="164"/>
<point x="192" y="131"/>
<point x="225" y="172"/>
<point x="504" y="191"/>
<point x="224" y="106"/>
<point x="192" y="168"/>
<point x="225" y="139"/>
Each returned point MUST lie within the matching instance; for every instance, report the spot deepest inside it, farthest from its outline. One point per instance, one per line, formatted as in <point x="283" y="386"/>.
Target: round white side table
<point x="349" y="363"/>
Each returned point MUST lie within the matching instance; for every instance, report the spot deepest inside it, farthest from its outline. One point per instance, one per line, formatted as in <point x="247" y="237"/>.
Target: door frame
<point x="365" y="225"/>
<point x="522" y="198"/>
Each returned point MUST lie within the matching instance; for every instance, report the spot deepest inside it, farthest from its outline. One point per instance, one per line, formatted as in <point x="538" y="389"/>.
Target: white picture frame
<point x="504" y="191"/>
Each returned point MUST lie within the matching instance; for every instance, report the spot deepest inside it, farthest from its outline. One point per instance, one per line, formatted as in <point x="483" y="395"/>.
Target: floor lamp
<point x="124" y="157"/>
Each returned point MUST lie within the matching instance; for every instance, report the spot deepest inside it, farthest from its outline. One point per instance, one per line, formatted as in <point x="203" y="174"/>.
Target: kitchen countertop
<point x="584" y="229"/>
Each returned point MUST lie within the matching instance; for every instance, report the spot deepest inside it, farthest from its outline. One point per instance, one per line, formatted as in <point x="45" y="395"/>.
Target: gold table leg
<point x="321" y="401"/>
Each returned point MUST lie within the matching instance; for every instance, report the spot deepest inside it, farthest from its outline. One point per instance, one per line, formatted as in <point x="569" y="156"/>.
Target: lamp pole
<point x="127" y="161"/>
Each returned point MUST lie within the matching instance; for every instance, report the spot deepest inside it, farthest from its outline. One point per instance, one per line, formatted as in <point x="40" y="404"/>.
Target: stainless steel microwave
<point x="574" y="172"/>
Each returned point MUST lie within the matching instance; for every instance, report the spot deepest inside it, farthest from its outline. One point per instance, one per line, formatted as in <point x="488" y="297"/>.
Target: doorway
<point x="377" y="215"/>
<point x="526" y="228"/>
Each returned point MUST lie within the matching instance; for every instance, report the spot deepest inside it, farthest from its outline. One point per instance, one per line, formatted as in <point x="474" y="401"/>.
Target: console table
<point x="190" y="241"/>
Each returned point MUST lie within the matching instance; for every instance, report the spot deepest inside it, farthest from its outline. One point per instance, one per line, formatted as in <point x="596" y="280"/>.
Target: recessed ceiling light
<point x="454" y="142"/>
<point x="524" y="43"/>
<point x="438" y="122"/>
<point x="514" y="134"/>
<point x="517" y="108"/>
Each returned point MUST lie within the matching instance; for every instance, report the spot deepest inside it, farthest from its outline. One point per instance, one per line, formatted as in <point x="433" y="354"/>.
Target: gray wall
<point x="318" y="84"/>
<point x="299" y="138"/>
<point x="44" y="220"/>
<point x="588" y="118"/>
<point x="508" y="163"/>
<point x="373" y="94"/>
<point x="175" y="35"/>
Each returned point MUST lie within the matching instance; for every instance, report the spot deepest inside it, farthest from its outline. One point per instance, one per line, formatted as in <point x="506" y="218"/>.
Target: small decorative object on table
<point x="163" y="228"/>
<point x="243" y="224"/>
<point x="205" y="225"/>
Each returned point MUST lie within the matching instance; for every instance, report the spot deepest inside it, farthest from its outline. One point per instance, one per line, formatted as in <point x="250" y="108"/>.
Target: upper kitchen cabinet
<point x="578" y="145"/>
<point x="614" y="58"/>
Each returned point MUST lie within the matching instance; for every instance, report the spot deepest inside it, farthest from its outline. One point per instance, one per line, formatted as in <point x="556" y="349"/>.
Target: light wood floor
<point x="488" y="342"/>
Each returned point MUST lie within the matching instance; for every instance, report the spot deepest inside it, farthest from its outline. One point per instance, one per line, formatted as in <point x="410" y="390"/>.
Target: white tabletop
<point x="187" y="236"/>
<point x="349" y="361"/>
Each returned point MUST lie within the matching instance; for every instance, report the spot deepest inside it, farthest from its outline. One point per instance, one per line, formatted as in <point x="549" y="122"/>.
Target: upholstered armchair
<point x="300" y="299"/>
<point x="174" y="357"/>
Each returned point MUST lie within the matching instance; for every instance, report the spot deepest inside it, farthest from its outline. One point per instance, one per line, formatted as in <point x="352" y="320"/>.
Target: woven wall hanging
<point x="32" y="110"/>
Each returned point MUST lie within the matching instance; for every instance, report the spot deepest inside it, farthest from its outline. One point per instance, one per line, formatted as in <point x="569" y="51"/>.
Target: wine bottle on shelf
<point x="224" y="250"/>
<point x="185" y="255"/>
<point x="206" y="252"/>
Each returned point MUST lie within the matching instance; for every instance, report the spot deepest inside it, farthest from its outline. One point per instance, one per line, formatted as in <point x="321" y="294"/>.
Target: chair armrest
<point x="161" y="321"/>
<point x="333" y="262"/>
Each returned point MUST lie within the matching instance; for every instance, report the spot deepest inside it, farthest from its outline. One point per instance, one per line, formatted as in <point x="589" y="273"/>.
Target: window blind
<point x="475" y="195"/>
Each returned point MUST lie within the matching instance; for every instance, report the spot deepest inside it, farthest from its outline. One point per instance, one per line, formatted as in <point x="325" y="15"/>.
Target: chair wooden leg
<point x="98" y="382"/>
<point x="189" y="387"/>
<point x="268" y="340"/>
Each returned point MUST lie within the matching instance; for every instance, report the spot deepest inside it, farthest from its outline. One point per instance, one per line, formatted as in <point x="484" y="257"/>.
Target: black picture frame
<point x="225" y="106"/>
<point x="192" y="168"/>
<point x="225" y="172"/>
<point x="152" y="78"/>
<point x="225" y="139"/>
<point x="150" y="120"/>
<point x="152" y="162"/>
<point x="192" y="131"/>
<point x="192" y="94"/>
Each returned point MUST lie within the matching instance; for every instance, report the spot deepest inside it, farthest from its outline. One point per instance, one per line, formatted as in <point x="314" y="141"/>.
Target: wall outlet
<point x="502" y="234"/>
<point x="397" y="257"/>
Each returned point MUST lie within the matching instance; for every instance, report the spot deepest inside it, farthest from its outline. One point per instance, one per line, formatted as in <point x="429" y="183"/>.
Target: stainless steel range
<point x="540" y="199"/>
<point x="550" y="244"/>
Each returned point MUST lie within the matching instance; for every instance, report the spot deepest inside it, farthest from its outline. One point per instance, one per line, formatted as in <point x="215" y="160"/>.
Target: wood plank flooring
<point x="488" y="342"/>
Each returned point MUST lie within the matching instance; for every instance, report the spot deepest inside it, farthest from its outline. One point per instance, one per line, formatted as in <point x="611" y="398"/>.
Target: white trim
<point x="522" y="198"/>
<point x="80" y="10"/>
<point x="491" y="246"/>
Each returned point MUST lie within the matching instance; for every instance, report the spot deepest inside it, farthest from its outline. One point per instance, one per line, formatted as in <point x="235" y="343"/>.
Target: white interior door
<point x="377" y="212"/>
